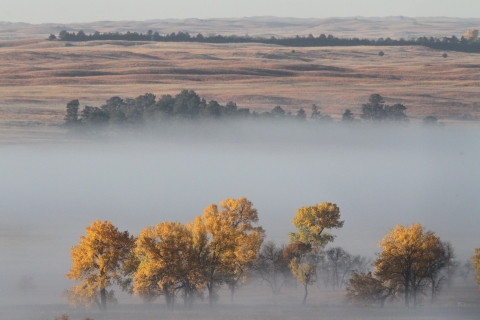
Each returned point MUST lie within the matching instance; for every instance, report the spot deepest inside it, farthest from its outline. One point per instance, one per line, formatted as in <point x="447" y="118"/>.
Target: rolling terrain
<point x="38" y="77"/>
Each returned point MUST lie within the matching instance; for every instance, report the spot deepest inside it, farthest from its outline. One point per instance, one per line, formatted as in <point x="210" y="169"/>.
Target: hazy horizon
<point x="57" y="11"/>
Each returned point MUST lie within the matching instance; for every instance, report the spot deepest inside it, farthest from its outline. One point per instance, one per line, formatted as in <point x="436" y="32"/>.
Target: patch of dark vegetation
<point x="83" y="73"/>
<point x="464" y="44"/>
<point x="314" y="67"/>
<point x="146" y="112"/>
<point x="468" y="66"/>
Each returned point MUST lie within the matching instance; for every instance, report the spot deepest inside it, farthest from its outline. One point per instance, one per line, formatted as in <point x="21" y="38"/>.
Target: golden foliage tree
<point x="408" y="257"/>
<point x="476" y="265"/>
<point x="233" y="242"/>
<point x="170" y="257"/>
<point x="97" y="262"/>
<point x="311" y="224"/>
<point x="471" y="35"/>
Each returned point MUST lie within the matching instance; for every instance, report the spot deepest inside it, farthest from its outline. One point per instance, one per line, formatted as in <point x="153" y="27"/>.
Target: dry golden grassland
<point x="38" y="77"/>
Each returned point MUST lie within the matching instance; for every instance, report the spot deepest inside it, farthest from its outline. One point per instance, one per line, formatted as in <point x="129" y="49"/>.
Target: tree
<point x="311" y="224"/>
<point x="278" y="112"/>
<point x="233" y="243"/>
<point x="471" y="35"/>
<point x="476" y="265"/>
<point x="466" y="270"/>
<point x="271" y="266"/>
<point x="347" y="116"/>
<point x="187" y="104"/>
<point x="97" y="262"/>
<point x="430" y="120"/>
<point x="365" y="288"/>
<point x="396" y="113"/>
<point x="374" y="109"/>
<point x="315" y="112"/>
<point x="71" y="118"/>
<point x="451" y="265"/>
<point x="301" y="115"/>
<point x="170" y="257"/>
<point x="52" y="37"/>
<point x="94" y="117"/>
<point x="409" y="257"/>
<point x="212" y="110"/>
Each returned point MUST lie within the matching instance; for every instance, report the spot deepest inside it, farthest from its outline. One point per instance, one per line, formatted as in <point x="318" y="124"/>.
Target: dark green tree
<point x="187" y="104"/>
<point x="115" y="107"/>
<point x="396" y="113"/>
<point x="430" y="120"/>
<point x="230" y="110"/>
<point x="315" y="113"/>
<point x="211" y="110"/>
<point x="71" y="119"/>
<point x="374" y="109"/>
<point x="347" y="116"/>
<point x="94" y="117"/>
<point x="278" y="112"/>
<point x="301" y="115"/>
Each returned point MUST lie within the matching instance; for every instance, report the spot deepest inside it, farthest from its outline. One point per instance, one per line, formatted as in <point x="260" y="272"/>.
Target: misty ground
<point x="254" y="301"/>
<point x="379" y="176"/>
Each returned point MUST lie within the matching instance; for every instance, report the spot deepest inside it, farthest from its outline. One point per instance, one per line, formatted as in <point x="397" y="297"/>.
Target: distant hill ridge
<point x="360" y="27"/>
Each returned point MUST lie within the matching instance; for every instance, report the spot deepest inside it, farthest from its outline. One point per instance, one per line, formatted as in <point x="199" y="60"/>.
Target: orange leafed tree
<point x="311" y="237"/>
<point x="476" y="265"/>
<point x="170" y="258"/>
<point x="471" y="34"/>
<point x="234" y="241"/>
<point x="409" y="256"/>
<point x="97" y="262"/>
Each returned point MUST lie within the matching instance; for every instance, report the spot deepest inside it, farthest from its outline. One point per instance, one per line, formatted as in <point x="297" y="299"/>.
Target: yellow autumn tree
<point x="233" y="242"/>
<point x="311" y="224"/>
<point x="97" y="262"/>
<point x="170" y="258"/>
<point x="471" y="35"/>
<point x="476" y="265"/>
<point x="409" y="256"/>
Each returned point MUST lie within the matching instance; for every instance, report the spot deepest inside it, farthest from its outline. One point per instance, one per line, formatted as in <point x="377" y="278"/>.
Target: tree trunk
<point x="210" y="293"/>
<point x="414" y="297"/>
<point x="306" y="294"/>
<point x="407" y="297"/>
<point x="433" y="291"/>
<point x="103" y="299"/>
<point x="232" y="292"/>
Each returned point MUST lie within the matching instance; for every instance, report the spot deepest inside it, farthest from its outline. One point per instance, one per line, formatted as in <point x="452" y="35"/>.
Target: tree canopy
<point x="409" y="256"/>
<point x="311" y="223"/>
<point x="97" y="262"/>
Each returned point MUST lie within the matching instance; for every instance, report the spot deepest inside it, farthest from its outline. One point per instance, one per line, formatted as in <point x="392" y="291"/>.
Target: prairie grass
<point x="38" y="78"/>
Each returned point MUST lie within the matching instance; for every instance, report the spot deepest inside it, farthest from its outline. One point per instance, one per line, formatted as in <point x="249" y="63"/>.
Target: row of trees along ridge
<point x="467" y="43"/>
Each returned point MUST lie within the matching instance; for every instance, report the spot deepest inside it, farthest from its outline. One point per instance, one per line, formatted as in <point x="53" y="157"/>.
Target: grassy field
<point x="38" y="78"/>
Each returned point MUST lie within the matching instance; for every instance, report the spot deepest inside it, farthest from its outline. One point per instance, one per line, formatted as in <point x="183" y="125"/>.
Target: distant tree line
<point x="467" y="43"/>
<point x="148" y="111"/>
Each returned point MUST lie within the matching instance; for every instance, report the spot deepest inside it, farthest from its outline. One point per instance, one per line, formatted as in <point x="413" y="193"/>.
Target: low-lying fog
<point x="379" y="177"/>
